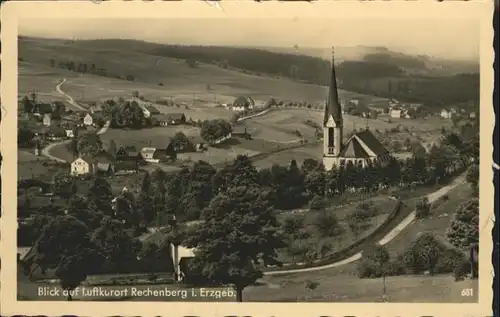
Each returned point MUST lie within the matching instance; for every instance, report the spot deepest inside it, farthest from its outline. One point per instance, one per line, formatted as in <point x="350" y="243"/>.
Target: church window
<point x="330" y="137"/>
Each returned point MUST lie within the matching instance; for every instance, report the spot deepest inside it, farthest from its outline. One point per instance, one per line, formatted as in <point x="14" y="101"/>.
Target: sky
<point x="456" y="38"/>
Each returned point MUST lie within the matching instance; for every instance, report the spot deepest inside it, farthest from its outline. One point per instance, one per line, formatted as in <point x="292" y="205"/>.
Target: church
<point x="359" y="149"/>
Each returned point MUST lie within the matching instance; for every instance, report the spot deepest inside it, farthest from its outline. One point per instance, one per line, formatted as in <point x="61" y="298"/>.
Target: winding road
<point x="70" y="99"/>
<point x="386" y="239"/>
<point x="46" y="150"/>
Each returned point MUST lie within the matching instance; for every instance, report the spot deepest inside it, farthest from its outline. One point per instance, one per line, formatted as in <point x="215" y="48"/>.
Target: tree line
<point x="87" y="68"/>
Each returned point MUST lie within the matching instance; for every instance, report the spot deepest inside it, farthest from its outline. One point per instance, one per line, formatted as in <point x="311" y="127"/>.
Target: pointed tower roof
<point x="332" y="107"/>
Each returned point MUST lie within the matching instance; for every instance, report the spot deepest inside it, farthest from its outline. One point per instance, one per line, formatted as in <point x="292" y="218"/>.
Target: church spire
<point x="332" y="107"/>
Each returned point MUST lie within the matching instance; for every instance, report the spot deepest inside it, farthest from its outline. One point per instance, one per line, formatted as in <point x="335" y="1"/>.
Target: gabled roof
<point x="175" y="116"/>
<point x="372" y="142"/>
<point x="161" y="117"/>
<point x="130" y="150"/>
<point x="244" y="101"/>
<point x="152" y="109"/>
<point x="148" y="150"/>
<point x="332" y="107"/>
<point x="353" y="149"/>
<point x="103" y="166"/>
<point x="159" y="153"/>
<point x="87" y="158"/>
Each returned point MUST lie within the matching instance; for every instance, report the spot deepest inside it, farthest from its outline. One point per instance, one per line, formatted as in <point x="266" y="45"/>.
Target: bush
<point x="461" y="270"/>
<point x="369" y="269"/>
<point x="449" y="260"/>
<point x="395" y="268"/>
<point x="317" y="203"/>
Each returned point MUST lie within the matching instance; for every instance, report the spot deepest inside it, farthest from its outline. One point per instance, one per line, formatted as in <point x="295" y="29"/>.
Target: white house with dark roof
<point x="360" y="149"/>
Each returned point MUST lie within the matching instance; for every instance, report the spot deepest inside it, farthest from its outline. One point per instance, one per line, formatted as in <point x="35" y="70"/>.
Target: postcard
<point x="251" y="159"/>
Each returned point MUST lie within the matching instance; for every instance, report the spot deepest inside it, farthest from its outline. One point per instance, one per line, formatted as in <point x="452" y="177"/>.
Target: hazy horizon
<point x="443" y="38"/>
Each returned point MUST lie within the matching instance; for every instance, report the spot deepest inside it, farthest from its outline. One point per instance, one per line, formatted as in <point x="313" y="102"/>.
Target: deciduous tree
<point x="238" y="230"/>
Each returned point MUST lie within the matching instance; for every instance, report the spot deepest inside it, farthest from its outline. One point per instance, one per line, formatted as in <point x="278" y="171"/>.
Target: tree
<point x="28" y="105"/>
<point x="112" y="148"/>
<point x="25" y="137"/>
<point x="423" y="254"/>
<point x="89" y="144"/>
<point x="293" y="224"/>
<point x="315" y="183"/>
<point x="63" y="185"/>
<point x="423" y="209"/>
<point x="327" y="224"/>
<point x="358" y="221"/>
<point x="464" y="228"/>
<point x="213" y="130"/>
<point x="317" y="203"/>
<point x="237" y="232"/>
<point x="131" y="115"/>
<point x="180" y="142"/>
<point x="118" y="247"/>
<point x="100" y="195"/>
<point x="65" y="246"/>
<point x="84" y="210"/>
<point x="473" y="178"/>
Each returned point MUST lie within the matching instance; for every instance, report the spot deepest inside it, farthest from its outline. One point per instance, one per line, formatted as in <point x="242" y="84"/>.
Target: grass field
<point x="439" y="221"/>
<point x="345" y="237"/>
<point x="179" y="80"/>
<point x="340" y="284"/>
<point x="340" y="287"/>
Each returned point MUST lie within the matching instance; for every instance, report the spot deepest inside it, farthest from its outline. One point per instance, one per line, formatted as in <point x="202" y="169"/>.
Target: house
<point x="241" y="132"/>
<point x="46" y="119"/>
<point x="160" y="155"/>
<point x="161" y="120"/>
<point x="82" y="166"/>
<point x="243" y="103"/>
<point x="126" y="167"/>
<point x="88" y="120"/>
<point x="395" y="113"/>
<point x="128" y="153"/>
<point x="446" y="114"/>
<point x="393" y="102"/>
<point x="147" y="154"/>
<point x="176" y="119"/>
<point x="199" y="143"/>
<point x="58" y="107"/>
<point x="152" y="110"/>
<point x="105" y="163"/>
<point x="179" y="255"/>
<point x="56" y="134"/>
<point x="69" y="133"/>
<point x="42" y="108"/>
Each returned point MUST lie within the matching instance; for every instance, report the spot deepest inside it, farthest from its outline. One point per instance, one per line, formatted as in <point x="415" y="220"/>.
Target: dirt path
<point x="388" y="237"/>
<point x="46" y="150"/>
<point x="70" y="99"/>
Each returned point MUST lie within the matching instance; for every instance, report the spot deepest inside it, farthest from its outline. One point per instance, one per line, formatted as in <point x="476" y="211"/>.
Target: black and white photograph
<point x="286" y="159"/>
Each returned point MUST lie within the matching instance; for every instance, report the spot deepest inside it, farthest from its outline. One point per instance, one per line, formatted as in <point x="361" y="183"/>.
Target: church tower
<point x="332" y="123"/>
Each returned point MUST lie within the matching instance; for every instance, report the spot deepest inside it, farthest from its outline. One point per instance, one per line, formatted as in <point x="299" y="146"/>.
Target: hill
<point x="372" y="71"/>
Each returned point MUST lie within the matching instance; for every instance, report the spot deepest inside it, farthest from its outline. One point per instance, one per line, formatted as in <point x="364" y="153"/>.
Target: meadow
<point x="344" y="237"/>
<point x="179" y="80"/>
<point x="340" y="284"/>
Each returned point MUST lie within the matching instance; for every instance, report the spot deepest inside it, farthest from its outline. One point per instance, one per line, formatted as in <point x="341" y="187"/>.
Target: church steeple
<point x="332" y="107"/>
